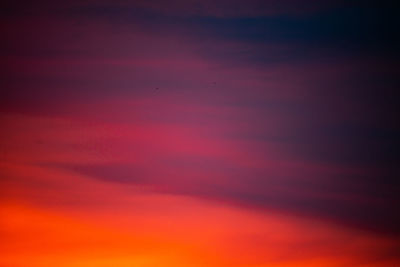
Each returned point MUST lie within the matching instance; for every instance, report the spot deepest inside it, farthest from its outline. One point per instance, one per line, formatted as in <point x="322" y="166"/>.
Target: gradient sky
<point x="199" y="133"/>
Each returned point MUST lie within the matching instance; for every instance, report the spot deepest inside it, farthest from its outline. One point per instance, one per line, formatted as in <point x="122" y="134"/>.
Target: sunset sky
<point x="199" y="133"/>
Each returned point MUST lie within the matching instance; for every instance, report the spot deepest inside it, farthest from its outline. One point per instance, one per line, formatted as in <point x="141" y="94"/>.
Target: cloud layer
<point x="197" y="129"/>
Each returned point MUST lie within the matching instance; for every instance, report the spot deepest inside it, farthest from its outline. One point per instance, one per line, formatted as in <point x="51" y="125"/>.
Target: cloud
<point x="201" y="121"/>
<point x="62" y="217"/>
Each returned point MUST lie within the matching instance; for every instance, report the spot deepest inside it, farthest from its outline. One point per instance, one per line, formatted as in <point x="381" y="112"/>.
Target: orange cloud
<point x="119" y="225"/>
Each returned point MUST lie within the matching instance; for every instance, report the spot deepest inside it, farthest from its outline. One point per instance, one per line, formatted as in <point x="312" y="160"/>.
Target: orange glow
<point x="134" y="227"/>
<point x="205" y="235"/>
<point x="199" y="133"/>
<point x="52" y="216"/>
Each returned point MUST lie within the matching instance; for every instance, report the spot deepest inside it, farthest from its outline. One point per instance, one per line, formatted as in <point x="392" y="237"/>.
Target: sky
<point x="199" y="133"/>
